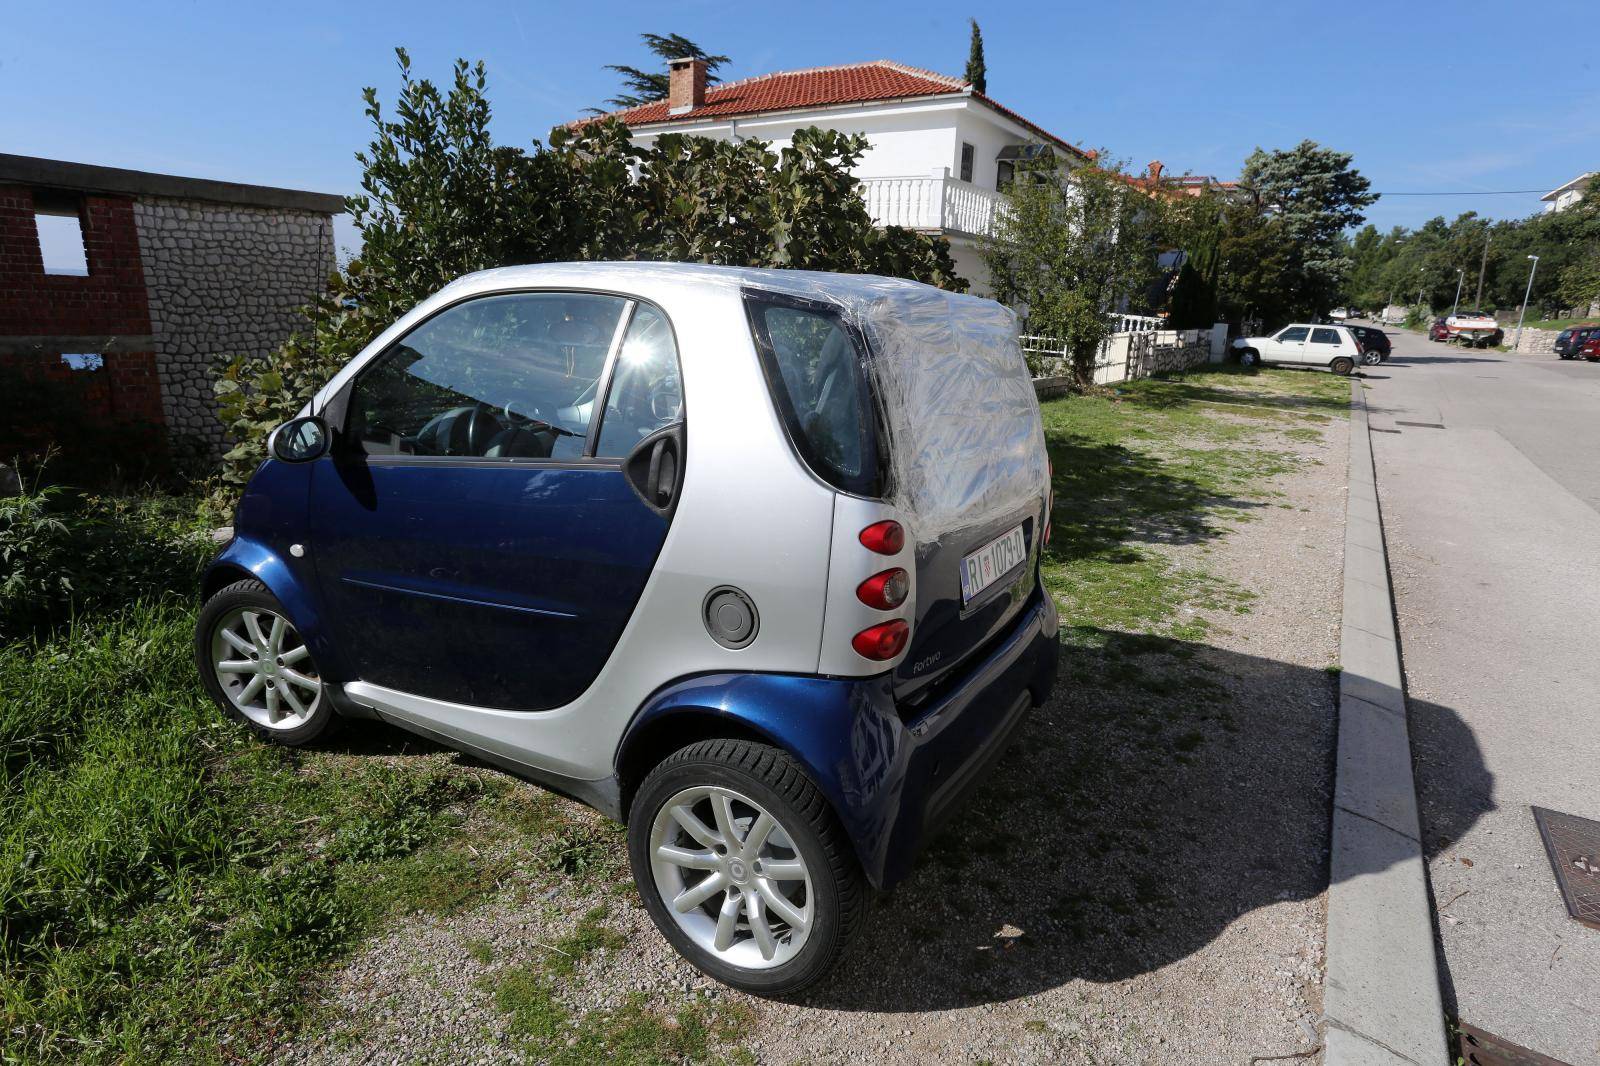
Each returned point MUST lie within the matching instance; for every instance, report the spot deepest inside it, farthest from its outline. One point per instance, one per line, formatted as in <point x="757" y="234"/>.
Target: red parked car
<point x="1591" y="349"/>
<point x="1438" y="331"/>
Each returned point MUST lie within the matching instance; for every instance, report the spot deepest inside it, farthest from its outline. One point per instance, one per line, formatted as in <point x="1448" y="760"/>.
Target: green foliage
<point x="1069" y="247"/>
<point x="977" y="74"/>
<point x="1194" y="298"/>
<point x="1314" y="195"/>
<point x="645" y="86"/>
<point x="63" y="552"/>
<point x="1418" y="316"/>
<point x="440" y="199"/>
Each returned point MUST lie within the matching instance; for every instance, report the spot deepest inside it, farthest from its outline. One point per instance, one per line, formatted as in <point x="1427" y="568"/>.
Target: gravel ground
<point x="1140" y="881"/>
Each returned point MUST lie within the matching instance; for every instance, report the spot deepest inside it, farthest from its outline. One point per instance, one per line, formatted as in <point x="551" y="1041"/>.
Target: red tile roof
<point x="855" y="83"/>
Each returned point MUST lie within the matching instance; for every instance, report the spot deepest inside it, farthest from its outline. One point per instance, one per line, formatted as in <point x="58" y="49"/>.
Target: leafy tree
<point x="646" y="86"/>
<point x="1317" y="195"/>
<point x="440" y="199"/>
<point x="1070" y="248"/>
<point x="977" y="71"/>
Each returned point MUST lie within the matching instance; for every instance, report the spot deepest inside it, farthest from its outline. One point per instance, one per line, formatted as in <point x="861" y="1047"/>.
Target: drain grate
<point x="1419" y="425"/>
<point x="1376" y="429"/>
<point x="1573" y="845"/>
<point x="1478" y="1048"/>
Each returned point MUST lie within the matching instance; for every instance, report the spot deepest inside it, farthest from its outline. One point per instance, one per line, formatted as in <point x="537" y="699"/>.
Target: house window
<point x="59" y="222"/>
<point x="966" y="161"/>
<point x="83" y="360"/>
<point x="1004" y="174"/>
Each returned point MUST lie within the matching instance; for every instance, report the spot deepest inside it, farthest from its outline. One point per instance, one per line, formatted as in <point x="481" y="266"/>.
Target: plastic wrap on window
<point x="965" y="443"/>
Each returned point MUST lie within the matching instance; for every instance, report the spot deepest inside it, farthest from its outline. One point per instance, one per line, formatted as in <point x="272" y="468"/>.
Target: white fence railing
<point x="1137" y="349"/>
<point x="931" y="202"/>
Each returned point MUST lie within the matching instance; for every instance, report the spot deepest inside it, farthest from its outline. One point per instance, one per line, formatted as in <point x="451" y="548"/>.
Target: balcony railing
<point x="931" y="202"/>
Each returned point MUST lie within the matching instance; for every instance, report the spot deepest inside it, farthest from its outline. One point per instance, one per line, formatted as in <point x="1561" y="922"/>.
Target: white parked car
<point x="1302" y="344"/>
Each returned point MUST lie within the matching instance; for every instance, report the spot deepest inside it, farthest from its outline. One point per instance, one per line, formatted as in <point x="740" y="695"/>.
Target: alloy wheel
<point x="731" y="877"/>
<point x="265" y="669"/>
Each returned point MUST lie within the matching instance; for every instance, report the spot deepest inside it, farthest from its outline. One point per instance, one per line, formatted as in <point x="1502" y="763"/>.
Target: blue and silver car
<point x="748" y="560"/>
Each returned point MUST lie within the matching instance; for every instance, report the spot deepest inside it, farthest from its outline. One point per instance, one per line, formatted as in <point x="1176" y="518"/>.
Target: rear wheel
<point x="1372" y="358"/>
<point x="1342" y="365"/>
<point x="743" y="866"/>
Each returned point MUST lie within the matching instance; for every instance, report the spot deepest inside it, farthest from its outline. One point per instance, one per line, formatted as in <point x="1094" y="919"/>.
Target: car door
<point x="500" y="487"/>
<point x="1288" y="346"/>
<point x="1327" y="343"/>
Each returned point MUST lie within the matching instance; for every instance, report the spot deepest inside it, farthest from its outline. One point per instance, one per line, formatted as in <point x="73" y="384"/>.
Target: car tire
<point x="1249" y="357"/>
<point x="1342" y="366"/>
<point x="255" y="667"/>
<point x="1371" y="358"/>
<point x="830" y="896"/>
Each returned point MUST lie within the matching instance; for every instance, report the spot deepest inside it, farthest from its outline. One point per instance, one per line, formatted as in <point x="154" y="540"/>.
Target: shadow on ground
<point x="1166" y="790"/>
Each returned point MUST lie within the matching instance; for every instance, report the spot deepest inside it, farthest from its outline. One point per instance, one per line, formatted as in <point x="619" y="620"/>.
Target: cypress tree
<point x="977" y="73"/>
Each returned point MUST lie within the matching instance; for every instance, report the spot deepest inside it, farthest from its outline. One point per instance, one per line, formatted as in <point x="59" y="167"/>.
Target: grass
<point x="1560" y="323"/>
<point x="632" y="1033"/>
<point x="1168" y="461"/>
<point x="168" y="885"/>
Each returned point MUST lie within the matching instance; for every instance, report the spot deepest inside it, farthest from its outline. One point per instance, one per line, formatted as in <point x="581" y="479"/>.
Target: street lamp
<point x="1461" y="275"/>
<point x="1531" y="272"/>
<point x="1422" y="273"/>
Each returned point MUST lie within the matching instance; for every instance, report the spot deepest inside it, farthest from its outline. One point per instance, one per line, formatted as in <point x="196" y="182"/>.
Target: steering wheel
<point x="536" y="420"/>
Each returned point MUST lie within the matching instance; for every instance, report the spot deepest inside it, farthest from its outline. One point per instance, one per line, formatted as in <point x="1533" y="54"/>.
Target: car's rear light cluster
<point x="884" y="591"/>
<point x="885" y="538"/>
<point x="883" y="641"/>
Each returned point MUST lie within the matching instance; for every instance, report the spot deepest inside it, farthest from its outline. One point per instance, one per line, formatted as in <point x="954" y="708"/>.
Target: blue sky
<point x="1457" y="97"/>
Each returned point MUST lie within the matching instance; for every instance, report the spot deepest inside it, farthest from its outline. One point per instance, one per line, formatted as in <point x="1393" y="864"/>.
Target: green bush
<point x="1418" y="317"/>
<point x="63" y="552"/>
<point x="441" y="199"/>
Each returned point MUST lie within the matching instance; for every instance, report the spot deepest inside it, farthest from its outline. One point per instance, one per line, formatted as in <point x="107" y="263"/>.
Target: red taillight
<point x="885" y="591"/>
<point x="885" y="538"/>
<point x="883" y="641"/>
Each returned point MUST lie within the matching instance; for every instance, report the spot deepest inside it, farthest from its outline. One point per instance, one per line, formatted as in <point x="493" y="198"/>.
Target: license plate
<point x="990" y="563"/>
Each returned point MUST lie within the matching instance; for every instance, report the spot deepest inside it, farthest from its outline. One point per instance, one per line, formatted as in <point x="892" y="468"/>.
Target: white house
<point x="940" y="150"/>
<point x="1559" y="199"/>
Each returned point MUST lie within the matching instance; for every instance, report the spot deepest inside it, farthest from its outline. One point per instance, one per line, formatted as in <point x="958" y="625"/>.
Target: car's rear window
<point x="814" y="363"/>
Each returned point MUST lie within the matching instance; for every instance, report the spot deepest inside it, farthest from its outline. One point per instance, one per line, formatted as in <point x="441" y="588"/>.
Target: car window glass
<point x="1324" y="336"/>
<point x="646" y="392"/>
<point x="819" y="370"/>
<point x="1298" y="333"/>
<point x="510" y="377"/>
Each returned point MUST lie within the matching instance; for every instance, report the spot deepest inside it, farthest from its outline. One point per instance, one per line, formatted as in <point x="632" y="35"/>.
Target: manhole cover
<point x="1419" y="425"/>
<point x="1573" y="845"/>
<point x="1478" y="1048"/>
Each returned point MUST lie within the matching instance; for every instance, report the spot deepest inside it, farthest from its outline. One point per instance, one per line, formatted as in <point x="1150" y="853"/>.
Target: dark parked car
<point x="1374" y="343"/>
<point x="1569" y="342"/>
<point x="1438" y="331"/>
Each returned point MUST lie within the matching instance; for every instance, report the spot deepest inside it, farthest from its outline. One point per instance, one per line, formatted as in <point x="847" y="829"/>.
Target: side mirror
<point x="300" y="440"/>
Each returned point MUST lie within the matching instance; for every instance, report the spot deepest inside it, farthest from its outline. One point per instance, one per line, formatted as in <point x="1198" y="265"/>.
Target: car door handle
<point x="654" y="468"/>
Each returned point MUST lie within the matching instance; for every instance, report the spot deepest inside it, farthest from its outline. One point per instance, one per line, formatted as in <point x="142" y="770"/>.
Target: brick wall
<point x="108" y="303"/>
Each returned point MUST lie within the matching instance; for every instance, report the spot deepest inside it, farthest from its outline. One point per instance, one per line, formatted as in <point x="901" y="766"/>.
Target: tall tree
<point x="1071" y="248"/>
<point x="647" y="86"/>
<point x="977" y="71"/>
<point x="1317" y="194"/>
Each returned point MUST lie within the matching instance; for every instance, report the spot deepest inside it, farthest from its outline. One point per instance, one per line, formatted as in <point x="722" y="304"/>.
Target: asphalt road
<point x="1488" y="471"/>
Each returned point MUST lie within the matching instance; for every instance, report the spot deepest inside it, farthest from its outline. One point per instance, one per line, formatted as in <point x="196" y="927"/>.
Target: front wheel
<point x="256" y="667"/>
<point x="1249" y="357"/>
<point x="743" y="866"/>
<point x="1342" y="366"/>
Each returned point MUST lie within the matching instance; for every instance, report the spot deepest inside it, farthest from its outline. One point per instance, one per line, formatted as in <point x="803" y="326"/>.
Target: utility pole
<point x="1525" y="295"/>
<point x="1478" y="304"/>
<point x="1461" y="275"/>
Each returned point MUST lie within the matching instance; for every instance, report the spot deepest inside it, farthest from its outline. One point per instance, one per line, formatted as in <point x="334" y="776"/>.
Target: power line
<point x="1497" y="192"/>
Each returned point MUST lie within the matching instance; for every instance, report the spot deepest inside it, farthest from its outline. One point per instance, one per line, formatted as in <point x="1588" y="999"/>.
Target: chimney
<point x="686" y="85"/>
<point x="1155" y="168"/>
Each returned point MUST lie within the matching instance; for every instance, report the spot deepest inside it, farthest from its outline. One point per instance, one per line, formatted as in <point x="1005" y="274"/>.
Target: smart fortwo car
<point x="748" y="560"/>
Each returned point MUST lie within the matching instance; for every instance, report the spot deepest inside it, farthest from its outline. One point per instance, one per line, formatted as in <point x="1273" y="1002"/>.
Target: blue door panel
<point x="497" y="584"/>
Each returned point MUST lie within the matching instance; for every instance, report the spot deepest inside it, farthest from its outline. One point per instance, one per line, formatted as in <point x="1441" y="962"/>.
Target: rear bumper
<point x="890" y="781"/>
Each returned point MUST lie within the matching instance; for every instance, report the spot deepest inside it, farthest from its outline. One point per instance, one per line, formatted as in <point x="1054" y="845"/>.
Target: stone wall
<point x="223" y="280"/>
<point x="1534" y="341"/>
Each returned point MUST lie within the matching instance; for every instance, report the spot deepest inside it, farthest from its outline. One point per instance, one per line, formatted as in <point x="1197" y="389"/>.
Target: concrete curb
<point x="1381" y="1002"/>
